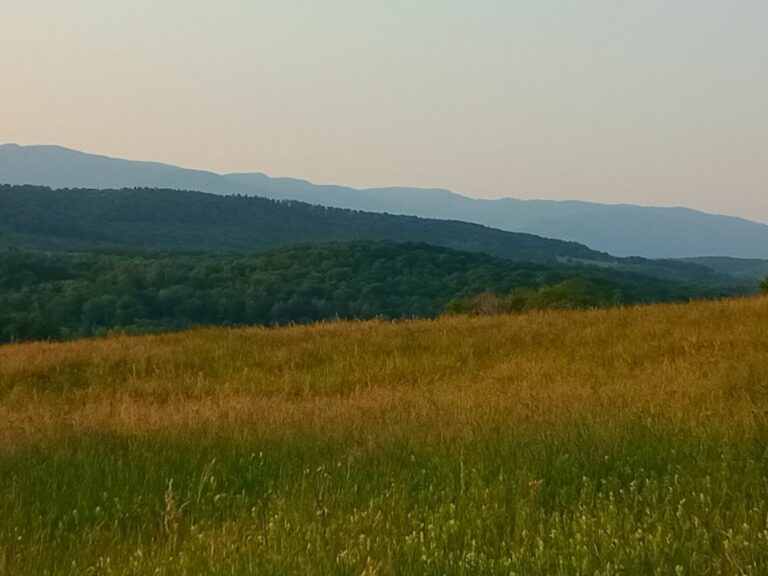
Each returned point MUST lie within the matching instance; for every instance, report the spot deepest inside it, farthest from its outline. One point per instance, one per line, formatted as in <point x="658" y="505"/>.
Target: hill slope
<point x="41" y="218"/>
<point x="555" y="443"/>
<point x="622" y="230"/>
<point x="193" y="221"/>
<point x="54" y="296"/>
<point x="749" y="269"/>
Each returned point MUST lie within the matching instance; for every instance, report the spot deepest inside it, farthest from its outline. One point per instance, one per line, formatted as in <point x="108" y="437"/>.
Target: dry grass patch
<point x="604" y="442"/>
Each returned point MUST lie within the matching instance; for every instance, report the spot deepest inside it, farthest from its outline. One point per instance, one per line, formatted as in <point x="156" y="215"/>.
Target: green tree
<point x="764" y="286"/>
<point x="68" y="295"/>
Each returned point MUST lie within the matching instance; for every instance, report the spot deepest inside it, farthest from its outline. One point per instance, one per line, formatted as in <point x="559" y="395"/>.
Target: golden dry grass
<point x="703" y="364"/>
<point x="624" y="441"/>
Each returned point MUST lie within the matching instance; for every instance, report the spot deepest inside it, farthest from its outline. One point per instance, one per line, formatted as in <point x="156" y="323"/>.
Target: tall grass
<point x="631" y="441"/>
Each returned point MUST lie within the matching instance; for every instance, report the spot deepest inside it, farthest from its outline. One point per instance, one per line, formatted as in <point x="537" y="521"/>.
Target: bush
<point x="569" y="294"/>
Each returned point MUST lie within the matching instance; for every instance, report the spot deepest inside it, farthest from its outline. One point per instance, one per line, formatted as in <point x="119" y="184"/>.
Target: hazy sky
<point x="653" y="102"/>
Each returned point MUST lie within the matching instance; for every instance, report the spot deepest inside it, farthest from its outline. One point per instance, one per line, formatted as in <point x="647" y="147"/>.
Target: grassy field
<point x="625" y="441"/>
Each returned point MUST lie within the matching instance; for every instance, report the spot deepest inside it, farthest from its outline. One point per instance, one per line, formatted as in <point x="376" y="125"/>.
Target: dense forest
<point x="39" y="218"/>
<point x="68" y="295"/>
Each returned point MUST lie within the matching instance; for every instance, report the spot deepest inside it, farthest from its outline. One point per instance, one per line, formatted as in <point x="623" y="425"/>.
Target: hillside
<point x="622" y="230"/>
<point x="623" y="440"/>
<point x="191" y="221"/>
<point x="746" y="268"/>
<point x="180" y="221"/>
<point x="59" y="295"/>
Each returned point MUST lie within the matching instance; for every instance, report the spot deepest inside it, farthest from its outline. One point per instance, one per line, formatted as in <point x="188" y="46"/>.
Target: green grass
<point x="609" y="442"/>
<point x="641" y="503"/>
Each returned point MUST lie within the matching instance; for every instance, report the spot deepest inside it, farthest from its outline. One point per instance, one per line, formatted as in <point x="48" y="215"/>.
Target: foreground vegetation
<point x="61" y="296"/>
<point x="628" y="441"/>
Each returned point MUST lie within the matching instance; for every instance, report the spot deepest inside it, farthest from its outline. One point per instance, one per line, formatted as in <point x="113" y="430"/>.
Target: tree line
<point x="71" y="295"/>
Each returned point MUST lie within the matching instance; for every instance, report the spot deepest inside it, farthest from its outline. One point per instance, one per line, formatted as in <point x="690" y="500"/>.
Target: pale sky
<point x="655" y="102"/>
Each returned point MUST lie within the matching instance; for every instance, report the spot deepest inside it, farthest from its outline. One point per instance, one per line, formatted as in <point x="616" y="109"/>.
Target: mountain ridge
<point x="603" y="227"/>
<point x="186" y="221"/>
<point x="192" y="220"/>
<point x="619" y="229"/>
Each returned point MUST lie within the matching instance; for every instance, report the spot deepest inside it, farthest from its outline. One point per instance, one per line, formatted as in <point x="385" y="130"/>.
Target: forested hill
<point x="622" y="230"/>
<point x="39" y="217"/>
<point x="61" y="295"/>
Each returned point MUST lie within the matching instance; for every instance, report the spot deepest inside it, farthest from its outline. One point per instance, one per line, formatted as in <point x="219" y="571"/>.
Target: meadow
<point x="617" y="441"/>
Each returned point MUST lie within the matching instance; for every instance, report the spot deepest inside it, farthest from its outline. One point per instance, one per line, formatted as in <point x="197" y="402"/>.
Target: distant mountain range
<point x="622" y="230"/>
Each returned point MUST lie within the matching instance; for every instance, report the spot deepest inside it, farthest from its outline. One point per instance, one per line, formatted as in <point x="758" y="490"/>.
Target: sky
<point x="653" y="102"/>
